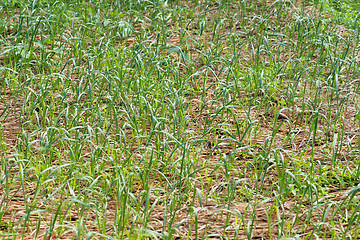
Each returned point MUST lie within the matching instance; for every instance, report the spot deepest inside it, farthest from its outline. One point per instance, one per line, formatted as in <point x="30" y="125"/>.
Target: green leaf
<point x="173" y="49"/>
<point x="106" y="22"/>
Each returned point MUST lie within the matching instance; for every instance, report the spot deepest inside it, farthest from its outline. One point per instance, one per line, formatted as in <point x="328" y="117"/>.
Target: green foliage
<point x="154" y="119"/>
<point x="347" y="11"/>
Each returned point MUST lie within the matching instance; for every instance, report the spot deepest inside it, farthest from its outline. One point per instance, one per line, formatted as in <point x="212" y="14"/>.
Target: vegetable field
<point x="203" y="119"/>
